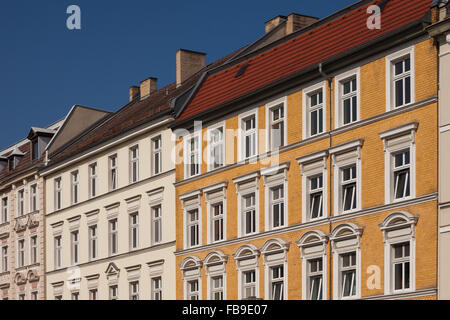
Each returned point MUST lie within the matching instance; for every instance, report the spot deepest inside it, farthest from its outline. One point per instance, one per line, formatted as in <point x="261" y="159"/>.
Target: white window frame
<point x="281" y="102"/>
<point x="191" y="271"/>
<point x="215" y="266"/>
<point x="93" y="179"/>
<point x="93" y="242"/>
<point x="34" y="205"/>
<point x="112" y="288"/>
<point x="211" y="145"/>
<point x="21" y="202"/>
<point x="156" y="293"/>
<point x="5" y="210"/>
<point x="339" y="98"/>
<point x="75" y="187"/>
<point x="396" y="140"/>
<point x="5" y="258"/>
<point x="312" y="166"/>
<point x="390" y="85"/>
<point x="306" y="94"/>
<point x="134" y="164"/>
<point x="156" y="224"/>
<point x="21" y="253"/>
<point x="113" y="236"/>
<point x="134" y="293"/>
<point x="247" y="260"/>
<point x="134" y="226"/>
<point x="113" y="169"/>
<point x="75" y="247"/>
<point x="34" y="249"/>
<point x="187" y="154"/>
<point x="215" y="195"/>
<point x="191" y="201"/>
<point x="58" y="251"/>
<point x="275" y="177"/>
<point x="245" y="186"/>
<point x="242" y="134"/>
<point x="274" y="254"/>
<point x="156" y="152"/>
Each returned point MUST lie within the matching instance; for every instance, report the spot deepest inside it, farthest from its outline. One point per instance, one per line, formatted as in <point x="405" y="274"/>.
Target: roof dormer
<point x="39" y="138"/>
<point x="14" y="158"/>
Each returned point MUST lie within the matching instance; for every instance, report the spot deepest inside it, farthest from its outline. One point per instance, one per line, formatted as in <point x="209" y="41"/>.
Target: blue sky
<point x="45" y="68"/>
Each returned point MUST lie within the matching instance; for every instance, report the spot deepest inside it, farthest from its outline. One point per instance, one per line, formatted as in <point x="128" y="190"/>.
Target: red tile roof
<point x="327" y="40"/>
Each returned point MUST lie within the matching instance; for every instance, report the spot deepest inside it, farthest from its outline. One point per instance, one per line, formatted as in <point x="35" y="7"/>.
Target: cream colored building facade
<point x="110" y="219"/>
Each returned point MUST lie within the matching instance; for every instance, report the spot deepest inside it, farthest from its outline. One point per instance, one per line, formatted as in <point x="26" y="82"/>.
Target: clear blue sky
<point x="45" y="68"/>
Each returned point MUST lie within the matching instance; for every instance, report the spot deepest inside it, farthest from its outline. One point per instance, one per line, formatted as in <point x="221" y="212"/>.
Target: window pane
<point x="407" y="90"/>
<point x="398" y="93"/>
<point x="349" y="285"/>
<point x="398" y="276"/>
<point x="314" y="123"/>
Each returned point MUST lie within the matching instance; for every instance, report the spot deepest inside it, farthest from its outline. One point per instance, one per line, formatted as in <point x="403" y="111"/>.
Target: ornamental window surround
<point x="247" y="264"/>
<point x="192" y="279"/>
<point x="247" y="188"/>
<point x="216" y="203"/>
<point x="275" y="253"/>
<point x="215" y="269"/>
<point x="276" y="196"/>
<point x="192" y="219"/>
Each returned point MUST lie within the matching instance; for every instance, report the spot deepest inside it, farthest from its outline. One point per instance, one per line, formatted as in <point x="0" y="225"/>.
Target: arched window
<point x="191" y="269"/>
<point x="215" y="267"/>
<point x="247" y="264"/>
<point x="274" y="253"/>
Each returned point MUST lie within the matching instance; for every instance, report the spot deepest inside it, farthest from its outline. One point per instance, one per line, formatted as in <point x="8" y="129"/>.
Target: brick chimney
<point x="189" y="63"/>
<point x="134" y="92"/>
<point x="294" y="22"/>
<point x="148" y="86"/>
<point x="274" y="22"/>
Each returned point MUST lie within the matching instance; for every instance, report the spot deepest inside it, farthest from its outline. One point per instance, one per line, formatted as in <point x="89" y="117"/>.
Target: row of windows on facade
<point x="113" y="238"/>
<point x="347" y="192"/>
<point x="348" y="97"/>
<point x="134" y="291"/>
<point x="21" y="209"/>
<point x="113" y="174"/>
<point x="22" y="296"/>
<point x="23" y="256"/>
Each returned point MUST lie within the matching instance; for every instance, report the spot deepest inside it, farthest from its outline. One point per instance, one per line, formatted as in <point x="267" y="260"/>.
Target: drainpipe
<point x="330" y="201"/>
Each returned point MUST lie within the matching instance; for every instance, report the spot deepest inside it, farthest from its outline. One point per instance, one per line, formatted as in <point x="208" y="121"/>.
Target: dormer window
<point x="39" y="138"/>
<point x="14" y="158"/>
<point x="34" y="149"/>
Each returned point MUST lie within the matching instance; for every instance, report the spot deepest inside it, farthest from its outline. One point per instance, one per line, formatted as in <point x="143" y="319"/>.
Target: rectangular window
<point x="134" y="164"/>
<point x="157" y="288"/>
<point x="21" y="253"/>
<point x="58" y="297"/>
<point x="217" y="148"/>
<point x="33" y="250"/>
<point x="315" y="112"/>
<point x="34" y="295"/>
<point x="93" y="294"/>
<point x="217" y="288"/>
<point x="402" y="174"/>
<point x="134" y="290"/>
<point x="5" y="266"/>
<point x="401" y="263"/>
<point x="58" y="194"/>
<point x="35" y="150"/>
<point x="315" y="279"/>
<point x="276" y="119"/>
<point x="113" y="173"/>
<point x="5" y="210"/>
<point x="348" y="188"/>
<point x="277" y="206"/>
<point x="75" y="296"/>
<point x="93" y="243"/>
<point x="316" y="197"/>
<point x="193" y="228"/>
<point x="192" y="290"/>
<point x="249" y="143"/>
<point x="134" y="231"/>
<point x="33" y="198"/>
<point x="114" y="292"/>
<point x="58" y="252"/>
<point x="22" y="296"/>
<point x="277" y="283"/>
<point x="113" y="237"/>
<point x="402" y="81"/>
<point x="157" y="155"/>
<point x="75" y="246"/>
<point x="156" y="225"/>
<point x="349" y="100"/>
<point x="93" y="180"/>
<point x="347" y="274"/>
<point x="193" y="156"/>
<point x="249" y="284"/>
<point x="217" y="222"/>
<point x="75" y="187"/>
<point x="249" y="213"/>
<point x="21" y="203"/>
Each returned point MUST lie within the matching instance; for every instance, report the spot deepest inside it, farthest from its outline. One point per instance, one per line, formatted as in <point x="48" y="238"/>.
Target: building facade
<point x="313" y="173"/>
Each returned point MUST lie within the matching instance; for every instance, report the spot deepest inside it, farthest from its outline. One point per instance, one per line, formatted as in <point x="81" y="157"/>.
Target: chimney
<point x="274" y="22"/>
<point x="298" y="21"/>
<point x="134" y="92"/>
<point x="148" y="86"/>
<point x="189" y="63"/>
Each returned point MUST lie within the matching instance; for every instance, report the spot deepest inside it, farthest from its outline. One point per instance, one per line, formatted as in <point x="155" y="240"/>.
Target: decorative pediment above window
<point x="313" y="161"/>
<point x="33" y="220"/>
<point x="405" y="134"/>
<point x="191" y="266"/>
<point x="58" y="288"/>
<point x="92" y="281"/>
<point x="4" y="236"/>
<point x="246" y="255"/>
<point x="133" y="272"/>
<point x="20" y="279"/>
<point x="399" y="224"/>
<point x="275" y="250"/>
<point x="155" y="267"/>
<point x="191" y="199"/>
<point x="133" y="203"/>
<point x="21" y="224"/>
<point x="57" y="228"/>
<point x="349" y="150"/>
<point x="112" y="210"/>
<point x="92" y="217"/>
<point x="247" y="182"/>
<point x="112" y="273"/>
<point x="312" y="242"/>
<point x="155" y="196"/>
<point x="215" y="262"/>
<point x="216" y="191"/>
<point x="346" y="235"/>
<point x="33" y="276"/>
<point x="276" y="174"/>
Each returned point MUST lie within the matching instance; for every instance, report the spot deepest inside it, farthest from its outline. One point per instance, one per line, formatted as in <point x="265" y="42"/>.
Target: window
<point x="22" y="296"/>
<point x="315" y="197"/>
<point x="347" y="97"/>
<point x="58" y="252"/>
<point x="193" y="228"/>
<point x="75" y="187"/>
<point x="33" y="198"/>
<point x="276" y="124"/>
<point x="134" y="290"/>
<point x="193" y="156"/>
<point x="216" y="148"/>
<point x="217" y="288"/>
<point x="314" y="110"/>
<point x="93" y="294"/>
<point x="4" y="261"/>
<point x="75" y="247"/>
<point x="249" y="284"/>
<point x="113" y="237"/>
<point x="249" y="213"/>
<point x="348" y="185"/>
<point x="4" y="210"/>
<point x="157" y="155"/>
<point x="277" y="206"/>
<point x="348" y="274"/>
<point x="58" y="298"/>
<point x="157" y="288"/>
<point x="75" y="296"/>
<point x="33" y="250"/>
<point x="156" y="225"/>
<point x="401" y="266"/>
<point x="21" y="203"/>
<point x="401" y="174"/>
<point x="249" y="142"/>
<point x="35" y="150"/>
<point x="93" y="180"/>
<point x="315" y="279"/>
<point x="93" y="243"/>
<point x="400" y="80"/>
<point x="277" y="283"/>
<point x="21" y="253"/>
<point x="217" y="222"/>
<point x="58" y="194"/>
<point x="192" y="290"/>
<point x="113" y="173"/>
<point x="134" y="164"/>
<point x="34" y="295"/>
<point x="114" y="292"/>
<point x="134" y="231"/>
